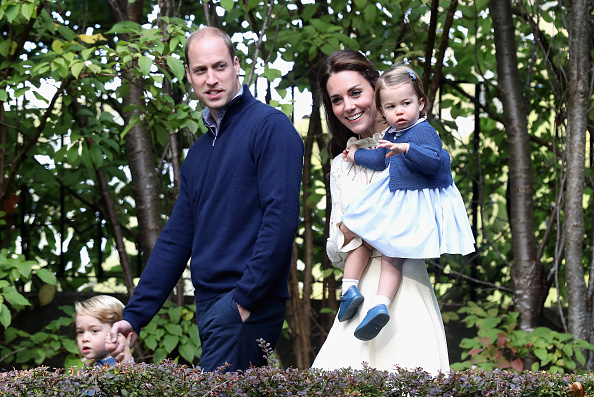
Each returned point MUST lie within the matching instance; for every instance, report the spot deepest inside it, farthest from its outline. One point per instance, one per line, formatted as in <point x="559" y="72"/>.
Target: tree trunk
<point x="580" y="73"/>
<point x="437" y="72"/>
<point x="167" y="8"/>
<point x="527" y="271"/>
<point x="328" y="283"/>
<point x="302" y="298"/>
<point x="109" y="211"/>
<point x="297" y="317"/>
<point x="115" y="227"/>
<point x="145" y="181"/>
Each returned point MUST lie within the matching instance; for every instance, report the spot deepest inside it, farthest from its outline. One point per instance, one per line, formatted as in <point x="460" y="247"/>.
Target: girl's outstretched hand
<point x="395" y="148"/>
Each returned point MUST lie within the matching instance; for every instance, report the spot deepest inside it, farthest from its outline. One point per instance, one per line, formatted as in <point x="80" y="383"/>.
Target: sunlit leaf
<point x="76" y="68"/>
<point x="144" y="64"/>
<point x="14" y="297"/>
<point x="46" y="276"/>
<point x="177" y="67"/>
<point x="5" y="316"/>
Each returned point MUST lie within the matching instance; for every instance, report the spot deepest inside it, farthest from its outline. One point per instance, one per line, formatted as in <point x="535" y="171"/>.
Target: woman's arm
<point x="335" y="238"/>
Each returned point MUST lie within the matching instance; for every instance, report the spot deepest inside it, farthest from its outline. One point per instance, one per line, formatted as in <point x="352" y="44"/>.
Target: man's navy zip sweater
<point x="236" y="215"/>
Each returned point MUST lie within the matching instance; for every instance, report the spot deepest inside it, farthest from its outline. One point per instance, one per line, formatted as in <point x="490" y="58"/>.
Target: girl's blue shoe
<point x="350" y="302"/>
<point x="377" y="317"/>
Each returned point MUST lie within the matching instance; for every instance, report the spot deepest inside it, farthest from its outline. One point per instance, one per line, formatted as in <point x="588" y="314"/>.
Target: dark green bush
<point x="170" y="379"/>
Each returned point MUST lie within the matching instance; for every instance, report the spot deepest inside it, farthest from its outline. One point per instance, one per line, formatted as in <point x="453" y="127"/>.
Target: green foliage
<point x="28" y="350"/>
<point x="499" y="344"/>
<point x="172" y="333"/>
<point x="15" y="271"/>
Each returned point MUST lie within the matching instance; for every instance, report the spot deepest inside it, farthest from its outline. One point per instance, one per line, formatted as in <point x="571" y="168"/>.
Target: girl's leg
<point x="390" y="277"/>
<point x="355" y="262"/>
<point x="377" y="317"/>
<point x="348" y="235"/>
<point x="351" y="298"/>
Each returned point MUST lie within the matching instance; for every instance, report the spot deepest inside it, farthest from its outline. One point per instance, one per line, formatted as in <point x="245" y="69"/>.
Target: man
<point x="236" y="216"/>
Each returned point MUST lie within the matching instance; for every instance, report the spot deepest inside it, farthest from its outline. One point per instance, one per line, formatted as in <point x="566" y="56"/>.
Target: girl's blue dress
<point x="422" y="223"/>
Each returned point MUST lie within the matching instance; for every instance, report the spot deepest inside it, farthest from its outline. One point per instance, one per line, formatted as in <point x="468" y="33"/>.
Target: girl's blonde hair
<point x="104" y="308"/>
<point x="400" y="73"/>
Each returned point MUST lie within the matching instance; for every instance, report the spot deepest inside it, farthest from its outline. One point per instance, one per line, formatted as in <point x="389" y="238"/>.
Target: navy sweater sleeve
<point x="374" y="159"/>
<point x="278" y="153"/>
<point x="165" y="265"/>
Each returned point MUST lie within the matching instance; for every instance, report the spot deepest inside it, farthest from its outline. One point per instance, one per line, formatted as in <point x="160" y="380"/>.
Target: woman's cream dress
<point x="414" y="337"/>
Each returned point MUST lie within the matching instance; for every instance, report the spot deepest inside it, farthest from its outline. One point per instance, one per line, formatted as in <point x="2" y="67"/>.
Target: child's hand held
<point x="349" y="153"/>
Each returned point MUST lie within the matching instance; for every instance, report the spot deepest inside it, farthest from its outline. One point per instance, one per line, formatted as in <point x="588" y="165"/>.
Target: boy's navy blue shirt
<point x="236" y="214"/>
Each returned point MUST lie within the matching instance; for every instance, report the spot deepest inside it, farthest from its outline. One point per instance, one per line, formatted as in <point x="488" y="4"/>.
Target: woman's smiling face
<point x="353" y="101"/>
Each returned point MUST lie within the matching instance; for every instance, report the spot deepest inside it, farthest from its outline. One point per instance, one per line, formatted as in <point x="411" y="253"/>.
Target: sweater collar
<point x="398" y="133"/>
<point x="210" y="121"/>
<point x="369" y="142"/>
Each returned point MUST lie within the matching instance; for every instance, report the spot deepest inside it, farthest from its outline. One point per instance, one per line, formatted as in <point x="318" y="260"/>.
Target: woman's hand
<point x="395" y="148"/>
<point x="349" y="153"/>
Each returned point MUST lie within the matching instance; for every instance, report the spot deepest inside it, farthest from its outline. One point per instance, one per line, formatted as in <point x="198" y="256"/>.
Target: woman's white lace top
<point x="346" y="181"/>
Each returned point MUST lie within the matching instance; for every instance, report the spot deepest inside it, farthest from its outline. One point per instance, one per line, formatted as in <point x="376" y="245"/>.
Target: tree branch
<point x="456" y="276"/>
<point x="19" y="158"/>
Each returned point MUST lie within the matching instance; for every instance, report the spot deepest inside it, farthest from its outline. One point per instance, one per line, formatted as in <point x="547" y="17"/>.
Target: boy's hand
<point x="126" y="355"/>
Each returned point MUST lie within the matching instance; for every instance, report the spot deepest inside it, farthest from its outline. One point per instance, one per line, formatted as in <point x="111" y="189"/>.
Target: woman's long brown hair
<point x="339" y="61"/>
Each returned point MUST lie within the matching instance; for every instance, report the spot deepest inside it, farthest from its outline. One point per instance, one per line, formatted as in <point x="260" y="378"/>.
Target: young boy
<point x="94" y="318"/>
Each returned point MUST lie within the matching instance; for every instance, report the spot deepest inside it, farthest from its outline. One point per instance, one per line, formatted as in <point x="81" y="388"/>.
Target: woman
<point x="416" y="337"/>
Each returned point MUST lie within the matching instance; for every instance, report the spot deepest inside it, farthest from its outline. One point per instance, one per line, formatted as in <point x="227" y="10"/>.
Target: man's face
<point x="212" y="73"/>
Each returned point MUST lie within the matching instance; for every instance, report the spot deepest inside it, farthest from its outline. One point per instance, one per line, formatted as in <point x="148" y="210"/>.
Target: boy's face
<point x="90" y="337"/>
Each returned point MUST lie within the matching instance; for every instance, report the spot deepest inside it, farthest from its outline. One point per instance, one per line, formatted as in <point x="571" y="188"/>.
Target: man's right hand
<point x="116" y="349"/>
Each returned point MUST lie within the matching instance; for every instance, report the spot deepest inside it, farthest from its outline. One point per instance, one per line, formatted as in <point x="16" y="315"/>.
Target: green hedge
<point x="170" y="379"/>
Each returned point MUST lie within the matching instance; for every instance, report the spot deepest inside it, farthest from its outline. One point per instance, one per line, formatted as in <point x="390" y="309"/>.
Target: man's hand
<point x="126" y="355"/>
<point x="116" y="348"/>
<point x="243" y="312"/>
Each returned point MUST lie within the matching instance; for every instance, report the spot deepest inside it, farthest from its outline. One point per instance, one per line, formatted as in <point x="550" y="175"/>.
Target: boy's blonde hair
<point x="400" y="73"/>
<point x="104" y="308"/>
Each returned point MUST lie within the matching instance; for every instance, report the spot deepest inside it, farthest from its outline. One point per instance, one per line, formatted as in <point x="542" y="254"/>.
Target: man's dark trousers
<point x="226" y="339"/>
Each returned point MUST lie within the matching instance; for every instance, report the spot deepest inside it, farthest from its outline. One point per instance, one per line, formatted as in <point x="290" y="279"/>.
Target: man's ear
<point x="237" y="66"/>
